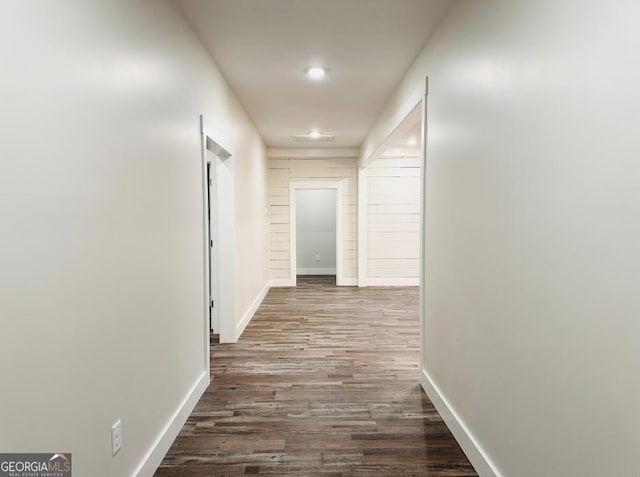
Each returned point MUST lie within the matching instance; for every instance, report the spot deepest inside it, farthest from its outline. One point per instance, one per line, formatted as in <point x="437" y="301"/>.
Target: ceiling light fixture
<point x="316" y="73"/>
<point x="313" y="136"/>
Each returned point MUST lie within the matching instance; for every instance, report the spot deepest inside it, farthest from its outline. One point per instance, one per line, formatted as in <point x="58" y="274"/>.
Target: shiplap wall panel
<point x="393" y="219"/>
<point x="281" y="171"/>
<point x="394" y="172"/>
<point x="399" y="226"/>
<point x="283" y="256"/>
<point x="394" y="209"/>
<point x="279" y="264"/>
<point x="279" y="273"/>
<point x="393" y="162"/>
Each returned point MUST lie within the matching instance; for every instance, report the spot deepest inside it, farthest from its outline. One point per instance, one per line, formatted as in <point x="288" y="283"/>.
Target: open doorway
<point x="316" y="226"/>
<point x="318" y="236"/>
<point x="219" y="235"/>
<point x="212" y="239"/>
<point x="389" y="208"/>
<point x="391" y="229"/>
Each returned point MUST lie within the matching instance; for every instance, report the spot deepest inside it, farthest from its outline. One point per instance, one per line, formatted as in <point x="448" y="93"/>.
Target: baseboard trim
<point x="154" y="457"/>
<point x="316" y="271"/>
<point x="282" y="282"/>
<point x="251" y="311"/>
<point x="287" y="282"/>
<point x="393" y="282"/>
<point x="469" y="444"/>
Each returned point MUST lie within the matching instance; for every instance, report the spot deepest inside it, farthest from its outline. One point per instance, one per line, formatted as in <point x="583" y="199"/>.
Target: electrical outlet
<point x="116" y="437"/>
<point x="317" y="257"/>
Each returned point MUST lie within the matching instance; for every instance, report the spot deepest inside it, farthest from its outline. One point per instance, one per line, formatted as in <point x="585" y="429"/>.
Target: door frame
<point x="338" y="186"/>
<point x="212" y="262"/>
<point x="217" y="150"/>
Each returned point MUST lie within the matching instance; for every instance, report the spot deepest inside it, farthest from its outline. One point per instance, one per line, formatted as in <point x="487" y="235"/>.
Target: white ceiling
<point x="262" y="47"/>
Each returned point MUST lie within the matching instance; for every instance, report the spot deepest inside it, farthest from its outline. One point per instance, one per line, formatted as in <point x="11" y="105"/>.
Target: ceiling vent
<point x="308" y="138"/>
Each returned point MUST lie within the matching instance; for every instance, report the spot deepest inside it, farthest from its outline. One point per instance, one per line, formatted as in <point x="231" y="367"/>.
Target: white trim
<point x="295" y="185"/>
<point x="207" y="263"/>
<point x="423" y="231"/>
<point x="292" y="236"/>
<point x="469" y="444"/>
<point x="312" y="153"/>
<point x="362" y="226"/>
<point x="252" y="310"/>
<point x="161" y="446"/>
<point x="208" y="137"/>
<point x="213" y="279"/>
<point x="393" y="282"/>
<point x="316" y="271"/>
<point x="339" y="237"/>
<point x="282" y="283"/>
<point x="222" y="143"/>
<point x="286" y="282"/>
<point x="226" y="221"/>
<point x="220" y="147"/>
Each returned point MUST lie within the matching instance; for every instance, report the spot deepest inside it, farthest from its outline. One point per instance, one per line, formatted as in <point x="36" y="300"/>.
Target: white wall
<point x="101" y="282"/>
<point x="252" y="222"/>
<point x="281" y="172"/>
<point x="316" y="231"/>
<point x="393" y="221"/>
<point x="532" y="202"/>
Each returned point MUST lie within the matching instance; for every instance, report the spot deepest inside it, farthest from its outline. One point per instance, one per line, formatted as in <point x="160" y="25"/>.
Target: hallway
<point x="324" y="381"/>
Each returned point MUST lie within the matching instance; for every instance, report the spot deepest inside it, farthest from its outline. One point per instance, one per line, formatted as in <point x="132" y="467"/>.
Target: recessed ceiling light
<point x="316" y="72"/>
<point x="313" y="137"/>
<point x="412" y="142"/>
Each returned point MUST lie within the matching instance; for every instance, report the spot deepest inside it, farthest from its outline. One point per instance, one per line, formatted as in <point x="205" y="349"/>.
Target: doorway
<point x="316" y="222"/>
<point x="331" y="191"/>
<point x="212" y="239"/>
<point x="219" y="236"/>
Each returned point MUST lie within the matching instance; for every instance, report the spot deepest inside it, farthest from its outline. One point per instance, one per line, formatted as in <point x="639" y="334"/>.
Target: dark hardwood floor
<point x="323" y="382"/>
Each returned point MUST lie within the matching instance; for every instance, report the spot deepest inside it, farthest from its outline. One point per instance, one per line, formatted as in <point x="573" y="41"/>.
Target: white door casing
<point x="338" y="185"/>
<point x="217" y="149"/>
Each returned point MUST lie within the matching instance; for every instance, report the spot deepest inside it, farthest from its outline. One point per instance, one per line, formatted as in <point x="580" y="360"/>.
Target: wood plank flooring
<point x="323" y="382"/>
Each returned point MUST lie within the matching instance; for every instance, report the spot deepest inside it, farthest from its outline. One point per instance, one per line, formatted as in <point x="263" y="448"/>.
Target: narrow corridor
<point x="324" y="381"/>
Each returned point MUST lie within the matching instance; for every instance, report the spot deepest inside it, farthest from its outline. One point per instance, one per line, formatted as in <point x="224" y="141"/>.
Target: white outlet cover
<point x="317" y="258"/>
<point x="116" y="437"/>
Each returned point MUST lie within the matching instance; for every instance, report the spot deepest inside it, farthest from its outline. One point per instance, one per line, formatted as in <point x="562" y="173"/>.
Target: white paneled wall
<point x="393" y="221"/>
<point x="281" y="172"/>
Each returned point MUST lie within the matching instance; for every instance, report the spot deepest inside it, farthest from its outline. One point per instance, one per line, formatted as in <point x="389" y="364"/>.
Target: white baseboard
<point x="470" y="445"/>
<point x="282" y="282"/>
<point x="316" y="271"/>
<point x="287" y="282"/>
<point x="160" y="448"/>
<point x="393" y="282"/>
<point x="246" y="318"/>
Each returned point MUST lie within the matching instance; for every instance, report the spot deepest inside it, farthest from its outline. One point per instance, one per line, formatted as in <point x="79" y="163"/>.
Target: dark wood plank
<point x="324" y="382"/>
